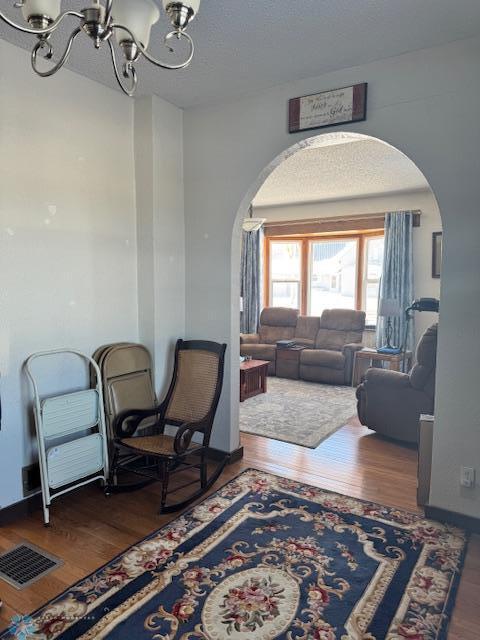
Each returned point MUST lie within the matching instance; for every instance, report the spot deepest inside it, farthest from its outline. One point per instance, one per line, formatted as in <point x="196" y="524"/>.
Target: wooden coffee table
<point x="253" y="378"/>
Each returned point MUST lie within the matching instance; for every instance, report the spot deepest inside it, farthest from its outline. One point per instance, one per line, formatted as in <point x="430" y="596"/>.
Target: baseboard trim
<point x="218" y="454"/>
<point x="20" y="509"/>
<point x="469" y="523"/>
<point x="34" y="502"/>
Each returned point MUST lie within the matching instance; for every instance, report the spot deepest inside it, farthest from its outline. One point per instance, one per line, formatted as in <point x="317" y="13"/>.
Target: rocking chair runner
<point x="190" y="405"/>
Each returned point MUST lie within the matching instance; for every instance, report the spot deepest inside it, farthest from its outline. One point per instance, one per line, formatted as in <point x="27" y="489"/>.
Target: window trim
<point x="271" y="281"/>
<point x="305" y="243"/>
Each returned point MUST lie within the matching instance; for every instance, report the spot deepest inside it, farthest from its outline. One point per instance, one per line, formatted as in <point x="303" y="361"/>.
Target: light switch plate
<point x="467" y="477"/>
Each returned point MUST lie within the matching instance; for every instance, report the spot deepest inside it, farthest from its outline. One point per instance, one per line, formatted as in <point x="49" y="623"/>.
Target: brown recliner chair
<point x="276" y="323"/>
<point x="331" y="358"/>
<point x="390" y="402"/>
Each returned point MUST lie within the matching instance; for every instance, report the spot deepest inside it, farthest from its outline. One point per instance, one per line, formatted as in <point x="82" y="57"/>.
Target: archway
<point x="317" y="141"/>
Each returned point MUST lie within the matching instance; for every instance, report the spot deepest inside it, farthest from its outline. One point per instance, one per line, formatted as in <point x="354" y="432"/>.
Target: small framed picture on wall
<point x="436" y="254"/>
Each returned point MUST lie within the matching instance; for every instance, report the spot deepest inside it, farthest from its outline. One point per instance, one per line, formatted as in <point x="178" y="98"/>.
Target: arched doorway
<point x="315" y="142"/>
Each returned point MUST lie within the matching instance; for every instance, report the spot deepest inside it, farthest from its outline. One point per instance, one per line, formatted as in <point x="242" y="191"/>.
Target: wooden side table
<point x="253" y="378"/>
<point x="288" y="362"/>
<point x="366" y="358"/>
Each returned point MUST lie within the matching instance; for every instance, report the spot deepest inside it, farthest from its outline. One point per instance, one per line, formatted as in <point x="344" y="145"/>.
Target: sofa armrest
<point x="249" y="338"/>
<point x="386" y="378"/>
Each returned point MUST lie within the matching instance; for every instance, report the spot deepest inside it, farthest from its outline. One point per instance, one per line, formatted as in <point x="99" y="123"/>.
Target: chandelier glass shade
<point x="130" y="21"/>
<point x="49" y="8"/>
<point x="138" y="18"/>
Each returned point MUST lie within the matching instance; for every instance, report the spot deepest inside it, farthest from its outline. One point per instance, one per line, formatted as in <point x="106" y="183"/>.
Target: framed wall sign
<point x="436" y="254"/>
<point x="329" y="108"/>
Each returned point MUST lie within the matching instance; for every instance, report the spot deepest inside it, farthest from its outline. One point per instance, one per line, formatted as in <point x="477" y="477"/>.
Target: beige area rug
<point x="304" y="413"/>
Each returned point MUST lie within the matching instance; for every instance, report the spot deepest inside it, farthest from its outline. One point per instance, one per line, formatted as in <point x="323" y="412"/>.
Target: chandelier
<point x="130" y="21"/>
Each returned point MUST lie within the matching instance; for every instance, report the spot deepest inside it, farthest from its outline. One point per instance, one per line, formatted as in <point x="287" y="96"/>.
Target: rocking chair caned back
<point x="195" y="385"/>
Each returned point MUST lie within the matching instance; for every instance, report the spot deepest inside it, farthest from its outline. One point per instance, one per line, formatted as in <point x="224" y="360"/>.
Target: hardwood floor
<point x="88" y="529"/>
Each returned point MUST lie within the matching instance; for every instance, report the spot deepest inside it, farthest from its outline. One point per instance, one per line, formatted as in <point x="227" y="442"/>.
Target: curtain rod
<point x="360" y="216"/>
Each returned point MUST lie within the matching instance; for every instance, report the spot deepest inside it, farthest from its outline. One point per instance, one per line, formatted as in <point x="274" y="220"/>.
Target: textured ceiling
<point x="356" y="169"/>
<point x="243" y="46"/>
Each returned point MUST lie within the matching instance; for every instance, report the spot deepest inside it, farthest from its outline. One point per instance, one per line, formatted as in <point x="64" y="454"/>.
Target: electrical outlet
<point x="467" y="477"/>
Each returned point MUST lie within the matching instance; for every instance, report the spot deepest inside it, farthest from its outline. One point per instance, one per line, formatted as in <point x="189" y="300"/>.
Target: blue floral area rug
<point x="264" y="558"/>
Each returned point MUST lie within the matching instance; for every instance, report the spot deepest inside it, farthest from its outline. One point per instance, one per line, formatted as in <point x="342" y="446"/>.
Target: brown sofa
<point x="330" y="341"/>
<point x="276" y="323"/>
<point x="331" y="358"/>
<point x="390" y="402"/>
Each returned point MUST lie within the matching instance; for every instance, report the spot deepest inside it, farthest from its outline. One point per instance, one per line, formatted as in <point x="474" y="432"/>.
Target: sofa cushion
<point x="277" y="323"/>
<point x="336" y="340"/>
<point x="259" y="351"/>
<point x="339" y="327"/>
<point x="343" y="320"/>
<point x="270" y="335"/>
<point x="279" y="317"/>
<point x="305" y="342"/>
<point x="307" y="329"/>
<point x="323" y="358"/>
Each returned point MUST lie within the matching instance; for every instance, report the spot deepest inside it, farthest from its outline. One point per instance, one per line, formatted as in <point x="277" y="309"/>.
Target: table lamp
<point x="389" y="308"/>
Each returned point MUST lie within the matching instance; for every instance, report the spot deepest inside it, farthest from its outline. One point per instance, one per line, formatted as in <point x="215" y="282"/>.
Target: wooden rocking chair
<point x="190" y="405"/>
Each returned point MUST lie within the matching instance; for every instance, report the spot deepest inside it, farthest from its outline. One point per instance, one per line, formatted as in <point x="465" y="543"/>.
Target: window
<point x="285" y="274"/>
<point x="372" y="274"/>
<point x="313" y="273"/>
<point x="333" y="275"/>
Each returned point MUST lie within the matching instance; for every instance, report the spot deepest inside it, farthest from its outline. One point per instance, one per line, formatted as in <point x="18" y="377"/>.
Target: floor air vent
<point x="25" y="564"/>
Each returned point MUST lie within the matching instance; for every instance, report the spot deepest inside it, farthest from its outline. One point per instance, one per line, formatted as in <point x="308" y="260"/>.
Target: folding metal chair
<point x="127" y="375"/>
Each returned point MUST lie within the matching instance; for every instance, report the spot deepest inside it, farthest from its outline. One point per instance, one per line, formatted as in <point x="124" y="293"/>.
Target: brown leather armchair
<point x="390" y="402"/>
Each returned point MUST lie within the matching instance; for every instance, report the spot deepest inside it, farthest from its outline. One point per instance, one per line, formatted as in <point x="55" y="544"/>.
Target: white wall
<point x="425" y="285"/>
<point x="411" y="106"/>
<point x="69" y="273"/>
<point x="160" y="230"/>
<point x="67" y="234"/>
<point x="86" y="176"/>
<point x="145" y="195"/>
